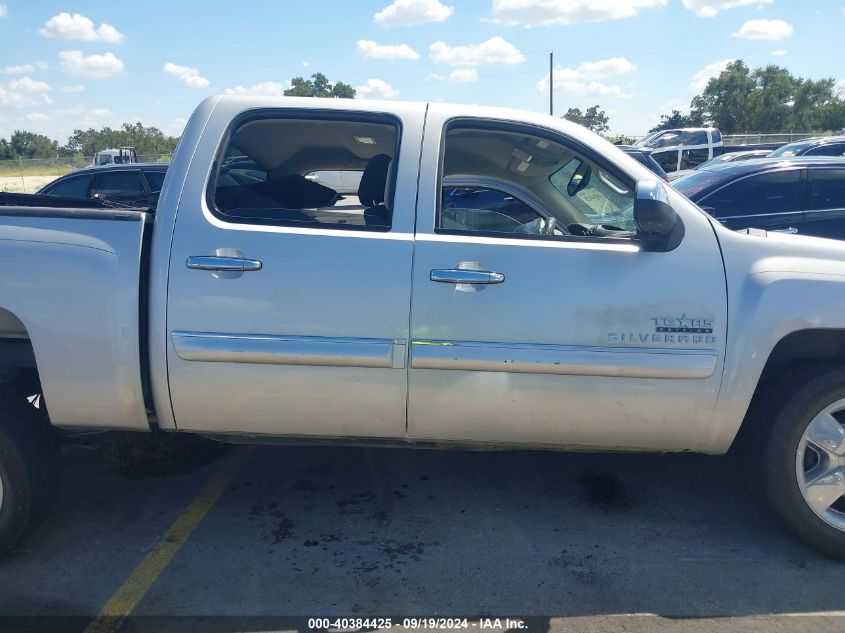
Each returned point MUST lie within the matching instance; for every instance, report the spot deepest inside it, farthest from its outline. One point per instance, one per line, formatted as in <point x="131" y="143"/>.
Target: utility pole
<point x="551" y="83"/>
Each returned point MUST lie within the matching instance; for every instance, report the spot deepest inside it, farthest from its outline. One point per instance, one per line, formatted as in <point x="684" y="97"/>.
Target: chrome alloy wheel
<point x="820" y="465"/>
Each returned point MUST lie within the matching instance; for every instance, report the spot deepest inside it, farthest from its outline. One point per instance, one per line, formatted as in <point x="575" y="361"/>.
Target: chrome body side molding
<point x="289" y="350"/>
<point x="564" y="359"/>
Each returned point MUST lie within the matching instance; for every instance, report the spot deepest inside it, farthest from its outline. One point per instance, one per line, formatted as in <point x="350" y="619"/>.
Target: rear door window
<point x="831" y="149"/>
<point x="274" y="171"/>
<point x="692" y="158"/>
<point x="827" y="189"/>
<point x="773" y="192"/>
<point x="120" y="185"/>
<point x="667" y="160"/>
<point x="72" y="187"/>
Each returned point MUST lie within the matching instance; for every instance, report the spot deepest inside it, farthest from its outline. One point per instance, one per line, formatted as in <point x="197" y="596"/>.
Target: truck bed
<point x="87" y="312"/>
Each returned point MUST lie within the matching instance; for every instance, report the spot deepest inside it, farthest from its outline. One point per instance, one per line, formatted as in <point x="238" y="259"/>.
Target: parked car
<point x="683" y="148"/>
<point x="732" y="157"/>
<point x="822" y="146"/>
<point x="793" y="195"/>
<point x="251" y="305"/>
<point x="644" y="156"/>
<point x="124" y="183"/>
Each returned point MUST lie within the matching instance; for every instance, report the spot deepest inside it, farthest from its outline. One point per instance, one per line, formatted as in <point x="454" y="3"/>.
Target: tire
<point x="791" y="418"/>
<point x="29" y="468"/>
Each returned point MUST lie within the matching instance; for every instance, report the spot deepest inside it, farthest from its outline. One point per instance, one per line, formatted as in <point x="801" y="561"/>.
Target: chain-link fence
<point x="29" y="175"/>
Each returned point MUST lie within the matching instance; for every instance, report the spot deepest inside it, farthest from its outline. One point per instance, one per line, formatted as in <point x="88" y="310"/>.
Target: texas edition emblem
<point x="682" y="330"/>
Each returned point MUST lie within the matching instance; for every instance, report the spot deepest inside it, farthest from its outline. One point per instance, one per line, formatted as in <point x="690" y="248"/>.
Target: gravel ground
<point x="24" y="184"/>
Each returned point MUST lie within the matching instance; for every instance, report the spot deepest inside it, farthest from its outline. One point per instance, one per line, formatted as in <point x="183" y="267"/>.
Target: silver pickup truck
<point x="474" y="293"/>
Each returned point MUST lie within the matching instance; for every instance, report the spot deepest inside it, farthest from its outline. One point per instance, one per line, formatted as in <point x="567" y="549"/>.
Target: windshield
<point x="697" y="181"/>
<point x="793" y="149"/>
<point x="724" y="158"/>
<point x="602" y="199"/>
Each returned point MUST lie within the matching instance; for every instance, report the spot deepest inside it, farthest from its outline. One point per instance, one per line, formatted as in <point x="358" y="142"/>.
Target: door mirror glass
<point x="659" y="227"/>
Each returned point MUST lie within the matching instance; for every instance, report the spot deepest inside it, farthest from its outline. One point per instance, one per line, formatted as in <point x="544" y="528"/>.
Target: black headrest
<point x="373" y="181"/>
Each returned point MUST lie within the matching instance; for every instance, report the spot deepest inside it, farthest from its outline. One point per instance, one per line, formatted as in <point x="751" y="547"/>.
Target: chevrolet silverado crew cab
<point x="473" y="293"/>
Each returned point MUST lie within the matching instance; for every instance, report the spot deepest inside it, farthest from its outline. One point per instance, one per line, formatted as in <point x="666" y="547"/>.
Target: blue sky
<point x="81" y="63"/>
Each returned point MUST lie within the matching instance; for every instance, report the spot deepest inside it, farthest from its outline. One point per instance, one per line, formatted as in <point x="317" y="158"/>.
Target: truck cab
<point x="684" y="148"/>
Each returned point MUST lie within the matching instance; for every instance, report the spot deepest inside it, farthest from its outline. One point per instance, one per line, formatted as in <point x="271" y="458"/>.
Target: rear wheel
<point x="800" y="455"/>
<point x="28" y="467"/>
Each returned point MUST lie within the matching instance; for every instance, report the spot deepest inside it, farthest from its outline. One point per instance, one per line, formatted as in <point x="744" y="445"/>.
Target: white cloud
<point x="4" y="11"/>
<point x="709" y="8"/>
<point x="589" y="89"/>
<point x="700" y="79"/>
<point x="186" y="74"/>
<point x="27" y="85"/>
<point x="585" y="79"/>
<point x="412" y="12"/>
<point x="75" y="88"/>
<point x="532" y="13"/>
<point x="264" y="89"/>
<point x="22" y="68"/>
<point x="370" y="50"/>
<point x="376" y="89"/>
<point x="496" y="50"/>
<point x="101" y="113"/>
<point x="94" y="66"/>
<point x="12" y="99"/>
<point x="779" y="53"/>
<point x="459" y="75"/>
<point x="37" y="117"/>
<point x="764" y="30"/>
<point x="66" y="26"/>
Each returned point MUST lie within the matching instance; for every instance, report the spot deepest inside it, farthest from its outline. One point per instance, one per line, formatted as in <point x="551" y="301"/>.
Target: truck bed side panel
<point x="74" y="284"/>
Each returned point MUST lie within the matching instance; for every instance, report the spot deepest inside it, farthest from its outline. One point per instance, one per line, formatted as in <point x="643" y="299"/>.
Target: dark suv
<point x="136" y="182"/>
<point x="792" y="195"/>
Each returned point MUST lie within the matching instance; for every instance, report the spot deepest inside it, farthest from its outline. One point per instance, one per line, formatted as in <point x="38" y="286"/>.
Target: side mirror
<point x="659" y="228"/>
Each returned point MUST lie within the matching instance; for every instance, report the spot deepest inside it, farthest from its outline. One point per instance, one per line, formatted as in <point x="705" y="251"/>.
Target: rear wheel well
<point x="804" y="348"/>
<point x="18" y="368"/>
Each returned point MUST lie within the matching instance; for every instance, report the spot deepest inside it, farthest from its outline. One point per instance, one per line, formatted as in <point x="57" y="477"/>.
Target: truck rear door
<point x="288" y="304"/>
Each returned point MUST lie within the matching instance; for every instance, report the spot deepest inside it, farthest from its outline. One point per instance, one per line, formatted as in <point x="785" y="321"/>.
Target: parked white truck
<point x="474" y="297"/>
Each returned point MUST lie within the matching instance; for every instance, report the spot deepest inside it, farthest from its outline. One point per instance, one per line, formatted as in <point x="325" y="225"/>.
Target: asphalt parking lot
<point x="274" y="535"/>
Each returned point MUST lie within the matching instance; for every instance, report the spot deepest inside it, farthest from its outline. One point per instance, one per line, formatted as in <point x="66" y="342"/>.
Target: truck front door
<point x="532" y="331"/>
<point x="288" y="304"/>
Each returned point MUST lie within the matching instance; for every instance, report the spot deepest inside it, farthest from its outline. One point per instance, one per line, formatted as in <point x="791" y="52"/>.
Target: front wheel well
<point x="804" y="348"/>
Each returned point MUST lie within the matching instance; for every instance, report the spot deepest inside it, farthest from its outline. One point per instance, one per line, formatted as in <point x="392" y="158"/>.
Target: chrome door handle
<point x="218" y="263"/>
<point x="790" y="229"/>
<point x="460" y="276"/>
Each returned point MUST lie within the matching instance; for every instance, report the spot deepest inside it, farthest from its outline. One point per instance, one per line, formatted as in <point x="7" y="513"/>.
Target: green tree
<point x="31" y="145"/>
<point x="319" y="86"/>
<point x="145" y="140"/>
<point x="726" y="99"/>
<point x="768" y="99"/>
<point x="678" y="120"/>
<point x="814" y="102"/>
<point x="593" y="118"/>
<point x="770" y="103"/>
